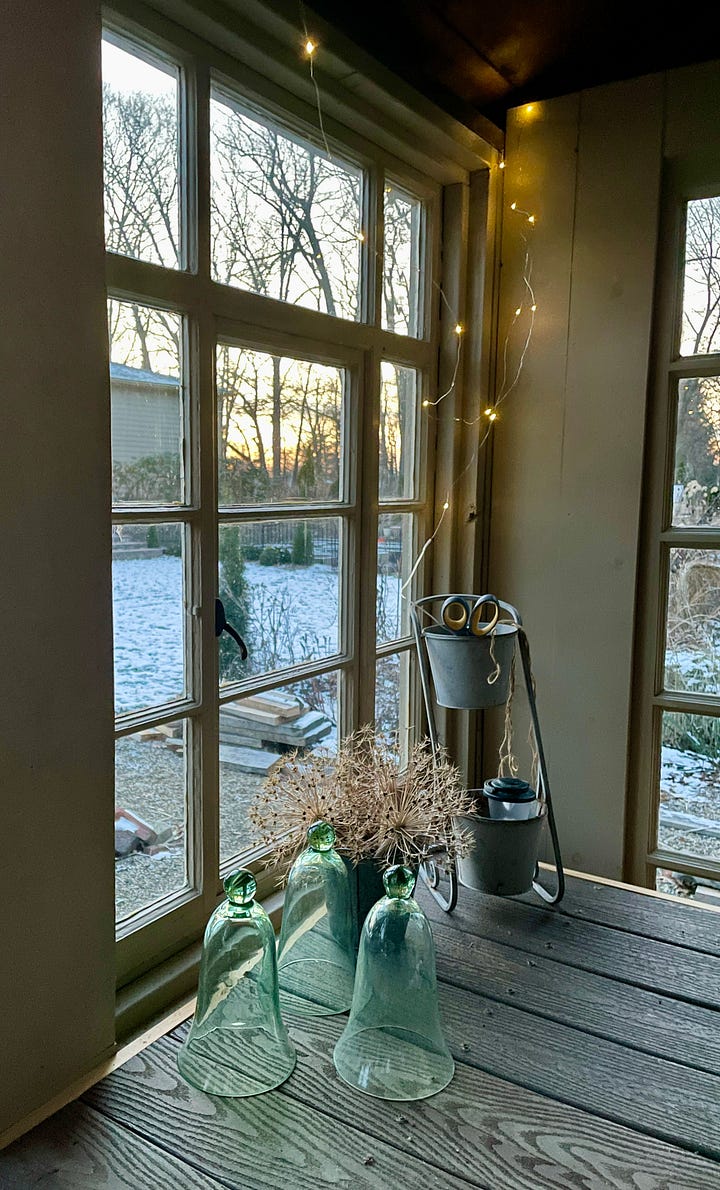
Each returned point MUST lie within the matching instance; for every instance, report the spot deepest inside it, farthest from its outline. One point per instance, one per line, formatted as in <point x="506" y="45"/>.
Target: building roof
<point x="141" y="376"/>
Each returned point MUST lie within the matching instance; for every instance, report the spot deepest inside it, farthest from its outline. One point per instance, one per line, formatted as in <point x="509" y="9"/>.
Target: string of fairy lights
<point x="526" y="309"/>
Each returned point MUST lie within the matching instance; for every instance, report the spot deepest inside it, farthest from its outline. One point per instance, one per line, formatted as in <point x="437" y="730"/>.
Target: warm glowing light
<point x="531" y="218"/>
<point x="361" y="236"/>
<point x="488" y="412"/>
<point x="310" y="48"/>
<point x="533" y="308"/>
<point x="518" y="312"/>
<point x="458" y="329"/>
<point x="425" y="404"/>
<point x="493" y="416"/>
<point x="446" y="505"/>
<point x="530" y="108"/>
<point x="501" y="165"/>
<point x="513" y="206"/>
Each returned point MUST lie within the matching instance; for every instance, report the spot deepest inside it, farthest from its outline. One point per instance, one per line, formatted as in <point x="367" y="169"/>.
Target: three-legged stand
<point x="431" y="873"/>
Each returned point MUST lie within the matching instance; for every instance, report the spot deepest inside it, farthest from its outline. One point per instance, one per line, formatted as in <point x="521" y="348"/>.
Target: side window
<point x="679" y="837"/>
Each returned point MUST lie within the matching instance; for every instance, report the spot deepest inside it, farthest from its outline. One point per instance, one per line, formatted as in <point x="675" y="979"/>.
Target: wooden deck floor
<point x="587" y="1043"/>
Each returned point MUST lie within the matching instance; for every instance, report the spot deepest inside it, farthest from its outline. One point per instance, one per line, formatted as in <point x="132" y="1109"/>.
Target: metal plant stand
<point x="431" y="871"/>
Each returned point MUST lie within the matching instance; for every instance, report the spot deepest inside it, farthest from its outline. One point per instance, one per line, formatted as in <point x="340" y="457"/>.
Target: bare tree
<point x="285" y="218"/>
<point x="140" y="155"/>
<point x="701" y="306"/>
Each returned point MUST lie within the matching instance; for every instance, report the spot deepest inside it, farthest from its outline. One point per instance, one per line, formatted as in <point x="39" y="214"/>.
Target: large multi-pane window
<point x="679" y="722"/>
<point x="271" y="342"/>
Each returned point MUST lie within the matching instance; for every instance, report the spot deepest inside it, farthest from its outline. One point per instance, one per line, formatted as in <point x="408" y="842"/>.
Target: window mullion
<point x="204" y="374"/>
<point x="367" y="532"/>
<point x="200" y="156"/>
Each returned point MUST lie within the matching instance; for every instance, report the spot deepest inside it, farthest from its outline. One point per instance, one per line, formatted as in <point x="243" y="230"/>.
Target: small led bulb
<point x="458" y="329"/>
<point x="310" y="48"/>
<point x="513" y="206"/>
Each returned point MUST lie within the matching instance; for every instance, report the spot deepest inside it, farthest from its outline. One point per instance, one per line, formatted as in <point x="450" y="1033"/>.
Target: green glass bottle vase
<point x="237" y="1044"/>
<point x="393" y="1045"/>
<point x="316" y="949"/>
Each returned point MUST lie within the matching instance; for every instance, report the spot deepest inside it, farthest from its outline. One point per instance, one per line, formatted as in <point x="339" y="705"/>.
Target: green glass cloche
<point x="316" y="950"/>
<point x="393" y="1045"/>
<point x="238" y="1044"/>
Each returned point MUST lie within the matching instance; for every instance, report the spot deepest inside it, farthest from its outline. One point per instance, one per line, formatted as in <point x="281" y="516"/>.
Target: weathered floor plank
<point x="602" y="1077"/>
<point x="657" y="1024"/>
<point x="679" y="922"/>
<point x="587" y="1056"/>
<point x="262" y="1143"/>
<point x="80" y="1149"/>
<point x="493" y="1133"/>
<point x="655" y="966"/>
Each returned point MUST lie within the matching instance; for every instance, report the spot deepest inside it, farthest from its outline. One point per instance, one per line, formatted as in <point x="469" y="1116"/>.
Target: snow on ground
<point x="296" y="608"/>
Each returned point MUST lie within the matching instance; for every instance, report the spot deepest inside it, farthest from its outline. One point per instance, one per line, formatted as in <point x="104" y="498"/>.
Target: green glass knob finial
<point x="321" y="836"/>
<point x="240" y="887"/>
<point x="399" y="881"/>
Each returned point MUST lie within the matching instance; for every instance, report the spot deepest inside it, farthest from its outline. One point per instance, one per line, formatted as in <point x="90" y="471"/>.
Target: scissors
<point x="462" y="618"/>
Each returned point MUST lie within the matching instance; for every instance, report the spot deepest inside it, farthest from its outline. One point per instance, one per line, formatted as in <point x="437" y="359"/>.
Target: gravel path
<point x="150" y="782"/>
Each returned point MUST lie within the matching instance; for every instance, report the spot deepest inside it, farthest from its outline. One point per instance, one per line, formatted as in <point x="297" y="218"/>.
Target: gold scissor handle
<point x="455" y="614"/>
<point x="480" y="627"/>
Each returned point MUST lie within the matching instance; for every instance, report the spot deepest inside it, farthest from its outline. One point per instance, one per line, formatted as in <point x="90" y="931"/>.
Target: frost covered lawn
<point x="291" y="616"/>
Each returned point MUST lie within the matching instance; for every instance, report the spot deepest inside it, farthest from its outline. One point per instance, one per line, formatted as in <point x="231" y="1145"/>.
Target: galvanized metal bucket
<point x="504" y="855"/>
<point x="463" y="666"/>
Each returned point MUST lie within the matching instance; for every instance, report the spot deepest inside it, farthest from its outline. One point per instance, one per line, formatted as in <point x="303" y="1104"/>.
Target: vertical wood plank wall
<point x="56" y="873"/>
<point x="569" y="447"/>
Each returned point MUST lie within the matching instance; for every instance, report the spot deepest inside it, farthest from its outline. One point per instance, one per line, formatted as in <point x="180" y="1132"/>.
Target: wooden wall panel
<point x="567" y="483"/>
<point x="56" y="722"/>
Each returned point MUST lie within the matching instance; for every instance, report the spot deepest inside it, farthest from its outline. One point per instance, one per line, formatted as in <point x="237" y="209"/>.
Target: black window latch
<point x="221" y="625"/>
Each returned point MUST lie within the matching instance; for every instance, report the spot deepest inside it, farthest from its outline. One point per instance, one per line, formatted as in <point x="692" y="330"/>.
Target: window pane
<point x="692" y="653"/>
<point x="392" y="701"/>
<point x="398" y="396"/>
<point x="279" y="427"/>
<point x="394" y="563"/>
<point x="279" y="585"/>
<point x="701" y="291"/>
<point x="401" y="263"/>
<point x="256" y="733"/>
<point x="140" y="136"/>
<point x="150" y="816"/>
<point x="148" y="619"/>
<point x="690" y="785"/>
<point x="147" y="409"/>
<point x="677" y="884"/>
<point x="286" y="219"/>
<point x="696" y="488"/>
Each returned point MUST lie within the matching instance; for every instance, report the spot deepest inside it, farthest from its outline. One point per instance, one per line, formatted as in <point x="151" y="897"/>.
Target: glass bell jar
<point x="237" y="1044"/>
<point x="316" y="949"/>
<point x="393" y="1045"/>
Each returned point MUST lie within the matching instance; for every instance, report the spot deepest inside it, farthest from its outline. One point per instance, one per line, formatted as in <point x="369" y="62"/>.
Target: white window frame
<point x="214" y="312"/>
<point x="684" y="179"/>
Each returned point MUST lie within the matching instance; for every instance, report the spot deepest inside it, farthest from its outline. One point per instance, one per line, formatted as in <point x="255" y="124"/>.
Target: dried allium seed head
<point x="379" y="810"/>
